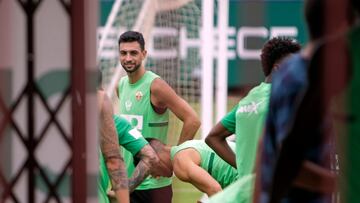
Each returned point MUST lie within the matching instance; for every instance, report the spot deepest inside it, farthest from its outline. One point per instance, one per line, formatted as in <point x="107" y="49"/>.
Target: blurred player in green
<point x="246" y="120"/>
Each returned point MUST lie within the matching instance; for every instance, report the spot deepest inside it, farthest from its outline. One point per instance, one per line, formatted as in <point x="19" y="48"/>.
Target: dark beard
<point x="133" y="70"/>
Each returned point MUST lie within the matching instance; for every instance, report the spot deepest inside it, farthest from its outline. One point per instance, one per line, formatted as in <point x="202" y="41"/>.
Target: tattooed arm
<point x="110" y="150"/>
<point x="148" y="160"/>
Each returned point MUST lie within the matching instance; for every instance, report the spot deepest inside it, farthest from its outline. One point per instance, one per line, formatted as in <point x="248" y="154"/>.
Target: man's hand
<point x="163" y="96"/>
<point x="111" y="194"/>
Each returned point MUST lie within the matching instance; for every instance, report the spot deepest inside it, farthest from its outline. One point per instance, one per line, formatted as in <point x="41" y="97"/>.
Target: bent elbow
<point x="210" y="139"/>
<point x="196" y="123"/>
<point x="192" y="121"/>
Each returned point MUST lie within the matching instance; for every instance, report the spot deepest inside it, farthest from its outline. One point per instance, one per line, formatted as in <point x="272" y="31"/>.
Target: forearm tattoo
<point x="142" y="170"/>
<point x="118" y="176"/>
<point x="110" y="149"/>
<point x="148" y="159"/>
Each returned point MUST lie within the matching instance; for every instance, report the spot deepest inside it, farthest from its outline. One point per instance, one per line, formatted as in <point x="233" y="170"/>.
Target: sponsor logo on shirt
<point x="136" y="121"/>
<point x="249" y="108"/>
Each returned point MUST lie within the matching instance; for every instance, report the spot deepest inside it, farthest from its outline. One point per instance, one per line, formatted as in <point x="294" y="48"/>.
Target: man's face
<point x="131" y="56"/>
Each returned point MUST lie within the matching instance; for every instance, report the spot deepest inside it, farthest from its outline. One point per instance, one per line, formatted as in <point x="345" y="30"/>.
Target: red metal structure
<point x="76" y="91"/>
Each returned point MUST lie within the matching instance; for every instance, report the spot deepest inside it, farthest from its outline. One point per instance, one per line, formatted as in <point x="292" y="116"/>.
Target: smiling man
<point x="145" y="101"/>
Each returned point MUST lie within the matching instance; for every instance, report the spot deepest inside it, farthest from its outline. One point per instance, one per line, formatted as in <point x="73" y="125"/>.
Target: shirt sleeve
<point x="130" y="138"/>
<point x="229" y="121"/>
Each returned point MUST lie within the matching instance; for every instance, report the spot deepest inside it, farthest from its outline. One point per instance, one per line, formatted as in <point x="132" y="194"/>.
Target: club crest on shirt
<point x="138" y="95"/>
<point x="128" y="105"/>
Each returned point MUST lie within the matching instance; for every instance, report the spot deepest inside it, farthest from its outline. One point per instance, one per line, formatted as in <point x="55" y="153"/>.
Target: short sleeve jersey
<point x="246" y="120"/>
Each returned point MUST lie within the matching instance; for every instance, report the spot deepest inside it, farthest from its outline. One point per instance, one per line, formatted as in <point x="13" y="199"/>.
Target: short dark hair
<point x="132" y="36"/>
<point x="156" y="144"/>
<point x="275" y="49"/>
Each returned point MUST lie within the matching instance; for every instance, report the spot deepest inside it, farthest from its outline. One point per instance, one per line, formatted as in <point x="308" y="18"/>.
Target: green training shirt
<point x="128" y="137"/>
<point x="136" y="107"/>
<point x="220" y="170"/>
<point x="247" y="121"/>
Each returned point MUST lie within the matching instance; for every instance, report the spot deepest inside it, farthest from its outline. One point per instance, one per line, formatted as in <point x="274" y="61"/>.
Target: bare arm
<point x="110" y="149"/>
<point x="217" y="141"/>
<point x="311" y="177"/>
<point x="186" y="168"/>
<point x="163" y="96"/>
<point x="315" y="178"/>
<point x="148" y="160"/>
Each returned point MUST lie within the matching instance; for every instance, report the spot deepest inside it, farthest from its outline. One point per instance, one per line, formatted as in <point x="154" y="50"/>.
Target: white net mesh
<point x="172" y="33"/>
<point x="178" y="69"/>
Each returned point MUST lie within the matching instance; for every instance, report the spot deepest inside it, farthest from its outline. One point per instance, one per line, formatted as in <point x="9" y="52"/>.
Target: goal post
<point x="207" y="68"/>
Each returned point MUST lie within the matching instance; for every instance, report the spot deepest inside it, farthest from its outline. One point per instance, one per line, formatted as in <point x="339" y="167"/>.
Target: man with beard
<point x="115" y="131"/>
<point x="145" y="101"/>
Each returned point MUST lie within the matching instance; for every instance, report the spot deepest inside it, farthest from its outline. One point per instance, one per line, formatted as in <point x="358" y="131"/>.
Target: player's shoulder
<point x="123" y="79"/>
<point x="195" y="144"/>
<point x="187" y="153"/>
<point x="256" y="92"/>
<point x="151" y="74"/>
<point x="159" y="85"/>
<point x="190" y="148"/>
